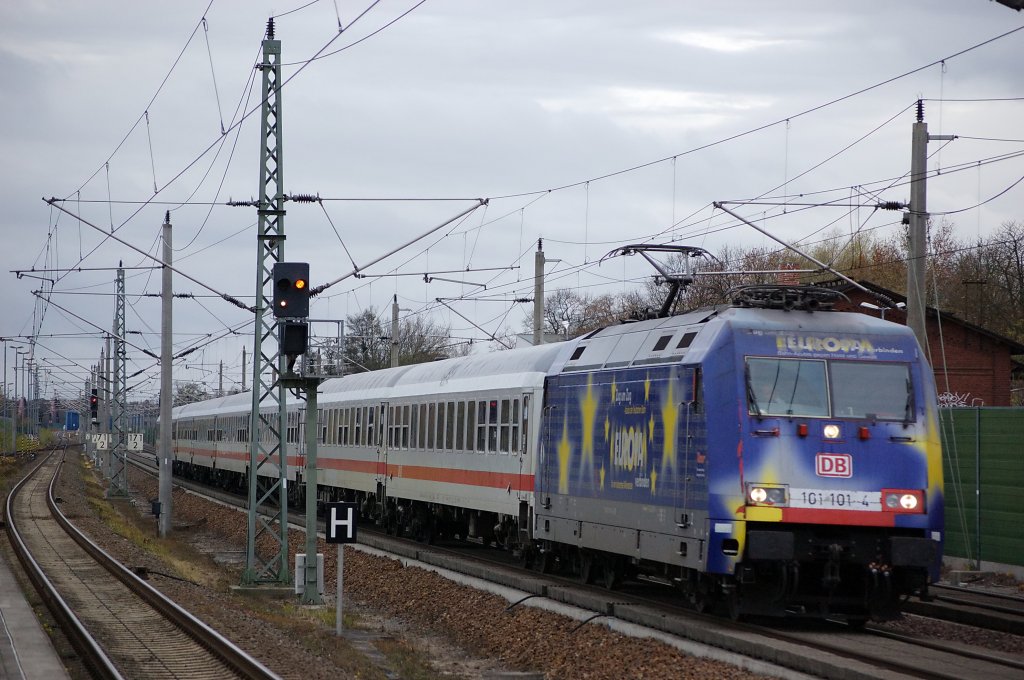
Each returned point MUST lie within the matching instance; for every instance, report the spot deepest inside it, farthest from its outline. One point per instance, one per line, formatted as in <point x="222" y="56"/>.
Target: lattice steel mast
<point x="119" y="438"/>
<point x="268" y="469"/>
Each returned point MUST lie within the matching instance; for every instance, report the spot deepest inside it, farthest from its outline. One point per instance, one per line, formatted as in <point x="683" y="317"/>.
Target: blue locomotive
<point x="773" y="457"/>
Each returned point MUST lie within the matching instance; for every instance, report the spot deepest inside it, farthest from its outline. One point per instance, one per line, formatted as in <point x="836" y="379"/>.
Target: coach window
<point x="440" y="426"/>
<point x="431" y="429"/>
<point x="375" y="426"/>
<point x="481" y="427"/>
<point x="358" y="428"/>
<point x="414" y="422"/>
<point x="422" y="442"/>
<point x="405" y="426"/>
<point x="460" y="427"/>
<point x="392" y="424"/>
<point x="449" y="426"/>
<point x="470" y="425"/>
<point x="526" y="423"/>
<point x="505" y="415"/>
<point x="515" y="426"/>
<point x="492" y="426"/>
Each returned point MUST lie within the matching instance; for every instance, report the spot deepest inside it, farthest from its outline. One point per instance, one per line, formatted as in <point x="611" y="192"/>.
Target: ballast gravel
<point x="455" y="631"/>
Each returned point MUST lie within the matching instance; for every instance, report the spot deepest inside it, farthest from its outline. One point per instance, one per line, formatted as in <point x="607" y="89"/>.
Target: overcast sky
<point x="542" y="107"/>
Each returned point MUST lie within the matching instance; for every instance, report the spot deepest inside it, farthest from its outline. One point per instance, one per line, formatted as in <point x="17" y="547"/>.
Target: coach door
<point x="521" y="444"/>
<point x="545" y="454"/>
<point x="377" y="430"/>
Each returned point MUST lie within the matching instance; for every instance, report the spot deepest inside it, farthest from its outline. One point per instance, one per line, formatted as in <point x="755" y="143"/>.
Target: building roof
<point x="846" y="287"/>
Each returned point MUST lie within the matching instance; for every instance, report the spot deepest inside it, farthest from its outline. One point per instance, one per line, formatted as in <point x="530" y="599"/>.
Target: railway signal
<point x="94" y="405"/>
<point x="291" y="289"/>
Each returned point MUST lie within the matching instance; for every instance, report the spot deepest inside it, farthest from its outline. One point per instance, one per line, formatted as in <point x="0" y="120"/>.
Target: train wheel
<point x="587" y="561"/>
<point x="732" y="604"/>
<point x="702" y="597"/>
<point x="546" y="562"/>
<point x="611" y="575"/>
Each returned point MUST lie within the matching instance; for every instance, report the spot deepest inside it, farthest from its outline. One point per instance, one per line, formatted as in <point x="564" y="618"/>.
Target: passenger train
<point x="770" y="456"/>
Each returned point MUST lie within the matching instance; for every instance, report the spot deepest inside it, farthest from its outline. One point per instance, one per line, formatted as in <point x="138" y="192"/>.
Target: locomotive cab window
<point x="874" y="390"/>
<point x="786" y="387"/>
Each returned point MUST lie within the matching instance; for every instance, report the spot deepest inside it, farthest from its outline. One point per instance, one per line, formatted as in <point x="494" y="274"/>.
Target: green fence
<point x="983" y="464"/>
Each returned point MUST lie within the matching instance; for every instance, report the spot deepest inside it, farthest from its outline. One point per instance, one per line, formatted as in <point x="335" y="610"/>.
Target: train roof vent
<point x="662" y="343"/>
<point x="577" y="353"/>
<point x="686" y="340"/>
<point x="774" y="296"/>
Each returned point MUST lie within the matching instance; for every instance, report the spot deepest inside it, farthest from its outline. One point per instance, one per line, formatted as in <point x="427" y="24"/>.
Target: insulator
<point x="920" y="110"/>
<point x="892" y="205"/>
<point x="270" y="28"/>
<point x="304" y="198"/>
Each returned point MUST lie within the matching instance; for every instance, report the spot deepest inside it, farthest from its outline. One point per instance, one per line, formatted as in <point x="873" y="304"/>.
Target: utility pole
<point x="268" y="460"/>
<point x="220" y="379"/>
<point x="165" y="455"/>
<point x="243" y="369"/>
<point x="918" y="233"/>
<point x="394" y="331"/>
<point x="538" y="293"/>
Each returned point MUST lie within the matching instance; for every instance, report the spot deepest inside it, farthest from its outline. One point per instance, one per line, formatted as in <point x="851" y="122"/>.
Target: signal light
<point x="94" y="404"/>
<point x="291" y="289"/>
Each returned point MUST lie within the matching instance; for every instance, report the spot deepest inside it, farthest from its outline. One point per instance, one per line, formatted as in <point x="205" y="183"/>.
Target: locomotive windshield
<point x="787" y="387"/>
<point x="871" y="390"/>
<point x="803" y="387"/>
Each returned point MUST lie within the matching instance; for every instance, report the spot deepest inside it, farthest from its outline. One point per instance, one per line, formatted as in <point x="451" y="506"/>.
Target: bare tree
<point x="367" y="345"/>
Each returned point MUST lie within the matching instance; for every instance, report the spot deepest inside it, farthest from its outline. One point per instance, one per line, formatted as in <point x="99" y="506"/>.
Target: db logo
<point x="834" y="465"/>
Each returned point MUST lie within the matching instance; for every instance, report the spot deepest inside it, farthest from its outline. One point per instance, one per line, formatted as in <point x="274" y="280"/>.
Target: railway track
<point x="121" y="626"/>
<point x="832" y="650"/>
<point x="971" y="607"/>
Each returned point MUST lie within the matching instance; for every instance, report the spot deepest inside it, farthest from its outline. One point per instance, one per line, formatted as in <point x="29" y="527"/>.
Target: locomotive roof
<point x="689" y="336"/>
<point x="672" y="339"/>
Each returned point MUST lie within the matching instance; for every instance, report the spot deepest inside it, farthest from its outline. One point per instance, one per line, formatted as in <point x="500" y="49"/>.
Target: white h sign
<point x="341" y="522"/>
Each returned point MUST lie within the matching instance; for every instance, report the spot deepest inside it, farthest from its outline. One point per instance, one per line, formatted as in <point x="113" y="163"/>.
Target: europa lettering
<point x="629" y="449"/>
<point x="808" y="343"/>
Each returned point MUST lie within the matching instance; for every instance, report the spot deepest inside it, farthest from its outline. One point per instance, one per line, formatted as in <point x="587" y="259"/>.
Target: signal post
<point x="291" y="307"/>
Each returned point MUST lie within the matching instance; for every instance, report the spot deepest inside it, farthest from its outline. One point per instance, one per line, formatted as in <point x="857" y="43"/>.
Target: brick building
<point x="973" y="366"/>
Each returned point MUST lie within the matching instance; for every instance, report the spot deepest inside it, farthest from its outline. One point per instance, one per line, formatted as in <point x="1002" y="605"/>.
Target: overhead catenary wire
<point x="228" y="298"/>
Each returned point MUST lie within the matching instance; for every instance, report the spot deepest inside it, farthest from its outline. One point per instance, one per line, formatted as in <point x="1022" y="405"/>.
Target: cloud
<point x="726" y="42"/>
<point x="655" y="109"/>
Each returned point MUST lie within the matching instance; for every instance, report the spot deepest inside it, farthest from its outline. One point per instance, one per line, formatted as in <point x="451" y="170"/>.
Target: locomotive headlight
<point x="831" y="431"/>
<point x="903" y="500"/>
<point x="761" y="494"/>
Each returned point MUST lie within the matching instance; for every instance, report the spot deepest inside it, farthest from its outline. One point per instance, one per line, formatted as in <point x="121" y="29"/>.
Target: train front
<point x="835" y="489"/>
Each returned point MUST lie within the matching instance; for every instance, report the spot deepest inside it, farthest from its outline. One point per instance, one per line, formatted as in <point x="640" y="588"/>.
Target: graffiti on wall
<point x="958" y="400"/>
